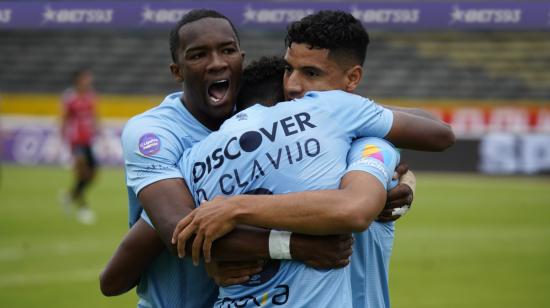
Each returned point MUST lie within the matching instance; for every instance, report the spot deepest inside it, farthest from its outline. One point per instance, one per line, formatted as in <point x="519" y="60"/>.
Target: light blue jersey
<point x="294" y="146"/>
<point x="153" y="143"/>
<point x="372" y="248"/>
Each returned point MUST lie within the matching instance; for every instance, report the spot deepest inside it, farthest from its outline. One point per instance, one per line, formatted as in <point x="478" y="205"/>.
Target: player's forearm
<point x="308" y="212"/>
<point x="165" y="222"/>
<point x="242" y="244"/>
<point x="313" y="212"/>
<point x="414" y="111"/>
<point x="134" y="255"/>
<point x="419" y="133"/>
<point x="247" y="243"/>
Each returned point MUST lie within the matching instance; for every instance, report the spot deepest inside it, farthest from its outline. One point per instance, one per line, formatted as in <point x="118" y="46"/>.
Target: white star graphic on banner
<point x="249" y="14"/>
<point x="147" y="15"/>
<point x="457" y="15"/>
<point x="48" y="15"/>
<point x="357" y="13"/>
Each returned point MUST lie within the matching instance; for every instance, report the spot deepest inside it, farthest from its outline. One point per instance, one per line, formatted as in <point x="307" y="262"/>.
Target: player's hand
<point x="400" y="197"/>
<point x="330" y="251"/>
<point x="212" y="220"/>
<point x="230" y="273"/>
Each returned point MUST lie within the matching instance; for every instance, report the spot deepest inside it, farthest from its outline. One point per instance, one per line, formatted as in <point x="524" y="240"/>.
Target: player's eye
<point x="196" y="56"/>
<point x="288" y="69"/>
<point x="229" y="50"/>
<point x="312" y="73"/>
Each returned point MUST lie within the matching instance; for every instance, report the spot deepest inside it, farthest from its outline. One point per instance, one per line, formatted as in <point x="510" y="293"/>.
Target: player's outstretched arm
<point x="168" y="201"/>
<point x="324" y="252"/>
<point x="252" y="243"/>
<point x="245" y="244"/>
<point x="349" y="209"/>
<point x="138" y="249"/>
<point x="142" y="245"/>
<point x="414" y="111"/>
<point x="419" y="133"/>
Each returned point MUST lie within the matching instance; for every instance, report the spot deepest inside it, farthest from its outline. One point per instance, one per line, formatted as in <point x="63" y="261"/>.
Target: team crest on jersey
<point x="370" y="150"/>
<point x="149" y="144"/>
<point x="242" y="116"/>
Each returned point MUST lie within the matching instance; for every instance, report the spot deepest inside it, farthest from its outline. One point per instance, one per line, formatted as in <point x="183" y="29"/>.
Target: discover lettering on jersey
<point x="250" y="141"/>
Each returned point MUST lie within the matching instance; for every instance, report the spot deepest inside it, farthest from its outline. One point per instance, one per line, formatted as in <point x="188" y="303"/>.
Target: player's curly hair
<point x="339" y="32"/>
<point x="192" y="16"/>
<point x="262" y="82"/>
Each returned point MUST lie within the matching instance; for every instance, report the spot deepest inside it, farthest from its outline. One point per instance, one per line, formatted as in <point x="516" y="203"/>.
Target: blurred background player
<point x="78" y="128"/>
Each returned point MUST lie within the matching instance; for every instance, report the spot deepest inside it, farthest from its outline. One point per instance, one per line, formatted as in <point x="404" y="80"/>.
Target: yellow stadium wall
<point x="110" y="106"/>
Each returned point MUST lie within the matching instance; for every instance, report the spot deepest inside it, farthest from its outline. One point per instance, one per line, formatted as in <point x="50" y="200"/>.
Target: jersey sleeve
<point x="375" y="156"/>
<point x="151" y="153"/>
<point x="360" y="116"/>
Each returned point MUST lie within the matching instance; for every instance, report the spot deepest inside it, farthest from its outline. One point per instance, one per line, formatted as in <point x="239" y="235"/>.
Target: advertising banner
<point x="478" y="121"/>
<point x="36" y="141"/>
<point x="498" y="140"/>
<point x="249" y="14"/>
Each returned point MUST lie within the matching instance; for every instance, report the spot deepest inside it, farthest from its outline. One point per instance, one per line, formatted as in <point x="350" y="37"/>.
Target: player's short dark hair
<point x="190" y="17"/>
<point x="339" y="32"/>
<point x="262" y="82"/>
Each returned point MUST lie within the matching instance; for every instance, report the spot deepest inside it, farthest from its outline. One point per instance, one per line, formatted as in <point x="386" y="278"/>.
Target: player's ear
<point x="243" y="54"/>
<point x="176" y="72"/>
<point x="353" y="77"/>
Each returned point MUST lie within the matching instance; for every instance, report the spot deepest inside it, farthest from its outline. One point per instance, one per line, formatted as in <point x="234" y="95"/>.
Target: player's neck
<point x="209" y="122"/>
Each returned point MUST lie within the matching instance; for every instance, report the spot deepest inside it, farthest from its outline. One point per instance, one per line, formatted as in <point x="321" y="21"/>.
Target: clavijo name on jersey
<point x="296" y="150"/>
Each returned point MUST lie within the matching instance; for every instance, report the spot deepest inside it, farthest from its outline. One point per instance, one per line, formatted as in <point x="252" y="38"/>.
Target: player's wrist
<point x="298" y="246"/>
<point x="409" y="179"/>
<point x="279" y="245"/>
<point x="238" y="210"/>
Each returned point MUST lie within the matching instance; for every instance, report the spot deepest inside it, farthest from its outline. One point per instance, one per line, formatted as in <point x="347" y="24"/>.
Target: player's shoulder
<point x="157" y="120"/>
<point x="335" y="98"/>
<point x="331" y="94"/>
<point x="374" y="148"/>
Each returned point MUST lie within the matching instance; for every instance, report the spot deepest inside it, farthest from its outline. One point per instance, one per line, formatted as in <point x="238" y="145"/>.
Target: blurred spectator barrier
<point x="502" y="153"/>
<point x="490" y="139"/>
<point x="30" y="140"/>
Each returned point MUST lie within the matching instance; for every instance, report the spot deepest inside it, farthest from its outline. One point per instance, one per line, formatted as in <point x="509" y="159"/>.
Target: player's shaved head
<point x="190" y="17"/>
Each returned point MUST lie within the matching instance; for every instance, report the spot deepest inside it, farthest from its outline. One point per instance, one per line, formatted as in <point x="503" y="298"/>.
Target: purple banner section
<point x="35" y="141"/>
<point x="394" y="16"/>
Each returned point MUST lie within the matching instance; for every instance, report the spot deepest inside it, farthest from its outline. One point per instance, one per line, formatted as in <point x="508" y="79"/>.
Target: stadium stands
<point x="431" y="65"/>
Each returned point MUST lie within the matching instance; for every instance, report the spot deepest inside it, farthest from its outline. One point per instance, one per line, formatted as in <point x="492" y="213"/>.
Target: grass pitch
<point x="471" y="241"/>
